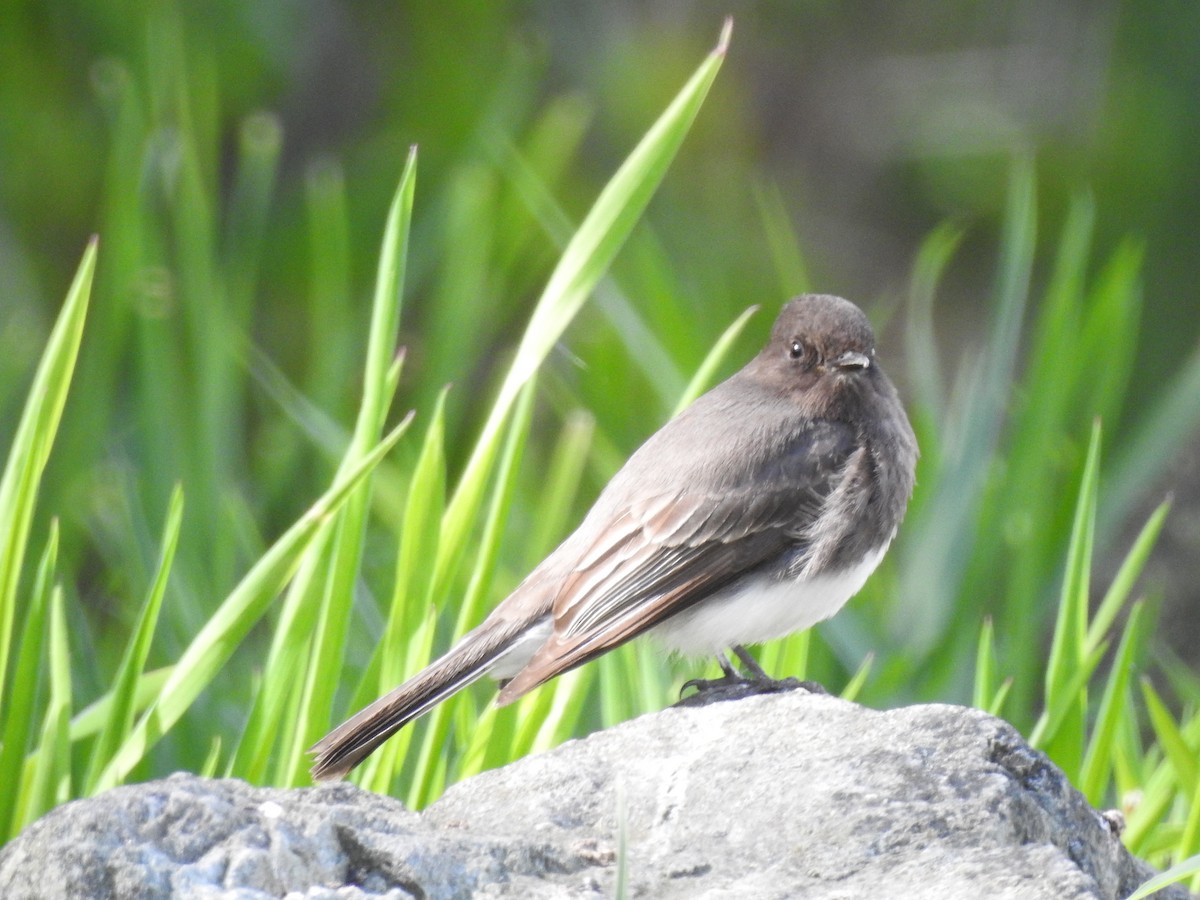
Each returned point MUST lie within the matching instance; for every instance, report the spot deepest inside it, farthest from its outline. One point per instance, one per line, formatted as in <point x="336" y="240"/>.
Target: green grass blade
<point x="244" y="606"/>
<point x="705" y="375"/>
<point x="1123" y="582"/>
<point x="1179" y="751"/>
<point x="1069" y="645"/>
<point x="31" y="446"/>
<point x="583" y="262"/>
<point x="1098" y="760"/>
<point x="315" y="603"/>
<point x="1177" y="873"/>
<point x="51" y="783"/>
<point x="985" y="666"/>
<point x="855" y="685"/>
<point x="1048" y="728"/>
<point x="18" y="724"/>
<point x="129" y="673"/>
<point x="89" y="720"/>
<point x="411" y="593"/>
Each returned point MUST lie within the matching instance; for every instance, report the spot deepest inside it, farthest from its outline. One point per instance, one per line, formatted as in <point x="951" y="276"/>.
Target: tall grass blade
<point x="133" y="663"/>
<point x="18" y="724"/>
<point x="31" y="447"/>
<point x="232" y="621"/>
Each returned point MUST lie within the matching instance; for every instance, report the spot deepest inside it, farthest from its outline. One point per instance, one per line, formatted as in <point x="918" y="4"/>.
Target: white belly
<point x="762" y="610"/>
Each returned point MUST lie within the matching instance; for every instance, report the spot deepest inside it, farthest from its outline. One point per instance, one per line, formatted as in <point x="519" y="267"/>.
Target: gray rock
<point x="787" y="795"/>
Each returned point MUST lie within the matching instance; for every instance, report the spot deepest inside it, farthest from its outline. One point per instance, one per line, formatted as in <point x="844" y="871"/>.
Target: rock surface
<point x="787" y="795"/>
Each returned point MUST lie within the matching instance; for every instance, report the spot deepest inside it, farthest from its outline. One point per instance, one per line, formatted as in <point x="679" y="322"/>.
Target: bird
<point x="756" y="512"/>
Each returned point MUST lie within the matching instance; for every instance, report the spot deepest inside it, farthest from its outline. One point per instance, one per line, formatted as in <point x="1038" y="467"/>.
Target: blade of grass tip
<point x="581" y="265"/>
<point x="1174" y="875"/>
<point x="996" y="706"/>
<point x="1127" y="575"/>
<point x="855" y="684"/>
<point x="32" y="442"/>
<point x="643" y="344"/>
<point x="212" y="761"/>
<point x="1098" y="760"/>
<point x="985" y="665"/>
<point x="232" y="621"/>
<point x="385" y="314"/>
<point x="51" y="783"/>
<point x="1174" y="744"/>
<point x="791" y="270"/>
<point x="289" y="642"/>
<point x="1069" y="644"/>
<point x="19" y="721"/>
<point x="133" y="662"/>
<point x="706" y="374"/>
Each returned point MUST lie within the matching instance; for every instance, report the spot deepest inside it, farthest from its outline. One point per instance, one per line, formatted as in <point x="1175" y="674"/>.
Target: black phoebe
<point x="756" y="512"/>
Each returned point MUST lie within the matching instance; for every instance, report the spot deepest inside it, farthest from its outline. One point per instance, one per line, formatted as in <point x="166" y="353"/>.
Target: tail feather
<point x="359" y="736"/>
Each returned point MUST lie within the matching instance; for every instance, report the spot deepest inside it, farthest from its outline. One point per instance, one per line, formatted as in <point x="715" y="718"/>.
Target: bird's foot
<point x="734" y="685"/>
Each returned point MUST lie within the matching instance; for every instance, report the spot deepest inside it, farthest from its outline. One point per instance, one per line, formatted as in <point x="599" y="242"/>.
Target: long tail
<point x="356" y="738"/>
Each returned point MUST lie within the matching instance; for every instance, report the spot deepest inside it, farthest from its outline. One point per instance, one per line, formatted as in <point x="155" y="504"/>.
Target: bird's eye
<point x="796" y="350"/>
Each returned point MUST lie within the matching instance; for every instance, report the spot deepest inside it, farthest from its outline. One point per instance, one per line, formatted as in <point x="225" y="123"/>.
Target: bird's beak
<point x="852" y="359"/>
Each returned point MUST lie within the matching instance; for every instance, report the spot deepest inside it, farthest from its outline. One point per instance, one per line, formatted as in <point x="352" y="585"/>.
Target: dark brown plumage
<point x="756" y="512"/>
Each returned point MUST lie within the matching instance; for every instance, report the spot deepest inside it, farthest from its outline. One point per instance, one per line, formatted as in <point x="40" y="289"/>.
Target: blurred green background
<point x="224" y="347"/>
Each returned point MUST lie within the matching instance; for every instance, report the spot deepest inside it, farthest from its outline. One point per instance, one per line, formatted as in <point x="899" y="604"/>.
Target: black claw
<point x="733" y="685"/>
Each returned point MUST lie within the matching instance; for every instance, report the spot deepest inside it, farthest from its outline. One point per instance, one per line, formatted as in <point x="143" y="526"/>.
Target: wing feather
<point x="663" y="552"/>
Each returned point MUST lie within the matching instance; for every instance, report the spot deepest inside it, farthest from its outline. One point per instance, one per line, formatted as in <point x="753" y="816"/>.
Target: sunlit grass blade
<point x="20" y="714"/>
<point x="1122" y="584"/>
<point x="31" y="445"/>
<point x="985" y="666"/>
<point x="855" y="684"/>
<point x="1068" y="647"/>
<point x="583" y="262"/>
<point x="1178" y="872"/>
<point x="124" y="685"/>
<point x="315" y="598"/>
<point x="995" y="706"/>
<point x="247" y="603"/>
<point x="1096" y="771"/>
<point x="1070" y="696"/>
<point x="51" y="781"/>
<point x="431" y="761"/>
<point x="1181" y="753"/>
<point x="410" y="594"/>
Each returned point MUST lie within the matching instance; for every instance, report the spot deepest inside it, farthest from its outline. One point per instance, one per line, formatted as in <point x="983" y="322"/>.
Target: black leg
<point x="733" y="685"/>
